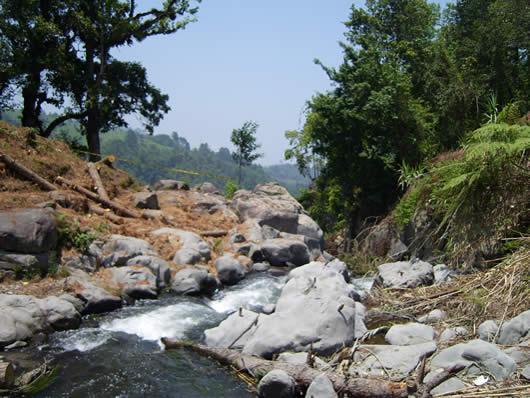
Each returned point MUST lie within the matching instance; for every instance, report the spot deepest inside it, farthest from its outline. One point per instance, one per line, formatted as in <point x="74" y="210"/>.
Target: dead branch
<point x="301" y="373"/>
<point x="214" y="234"/>
<point x="27" y="173"/>
<point x="91" y="195"/>
<point x="93" y="171"/>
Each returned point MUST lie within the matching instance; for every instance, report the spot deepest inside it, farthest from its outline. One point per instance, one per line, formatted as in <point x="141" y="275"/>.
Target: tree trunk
<point x="27" y="173"/>
<point x="7" y="375"/>
<point x="93" y="171"/>
<point x="30" y="94"/>
<point x="301" y="373"/>
<point x="92" y="121"/>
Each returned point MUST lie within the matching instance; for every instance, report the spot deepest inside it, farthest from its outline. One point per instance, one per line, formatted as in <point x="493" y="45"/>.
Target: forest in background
<point x="153" y="157"/>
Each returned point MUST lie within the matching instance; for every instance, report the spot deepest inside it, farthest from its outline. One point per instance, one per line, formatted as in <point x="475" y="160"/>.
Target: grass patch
<point x="72" y="235"/>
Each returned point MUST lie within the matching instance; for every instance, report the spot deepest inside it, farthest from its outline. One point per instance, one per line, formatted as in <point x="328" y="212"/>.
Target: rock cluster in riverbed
<point x="319" y="309"/>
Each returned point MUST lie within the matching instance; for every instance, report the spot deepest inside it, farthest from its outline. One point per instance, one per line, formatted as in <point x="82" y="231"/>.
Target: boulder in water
<point x="136" y="282"/>
<point x="96" y="300"/>
<point x="229" y="270"/>
<point x="234" y="331"/>
<point x="193" y="282"/>
<point x="159" y="267"/>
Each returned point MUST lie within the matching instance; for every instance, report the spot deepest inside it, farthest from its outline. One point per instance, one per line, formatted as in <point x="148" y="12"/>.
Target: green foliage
<point x="511" y="113"/>
<point x="230" y="189"/>
<point x="71" y="234"/>
<point x="406" y="207"/>
<point x="408" y="174"/>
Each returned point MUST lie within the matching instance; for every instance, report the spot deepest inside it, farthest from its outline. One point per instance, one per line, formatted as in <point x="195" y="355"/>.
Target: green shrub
<point x="230" y="189"/>
<point x="406" y="207"/>
<point x="71" y="234"/>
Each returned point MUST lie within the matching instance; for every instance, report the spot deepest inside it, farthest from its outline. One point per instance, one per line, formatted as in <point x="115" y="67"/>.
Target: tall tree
<point x="244" y="139"/>
<point x="373" y="119"/>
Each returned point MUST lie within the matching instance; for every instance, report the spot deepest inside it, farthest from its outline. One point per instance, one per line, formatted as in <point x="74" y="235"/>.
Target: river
<point x="118" y="354"/>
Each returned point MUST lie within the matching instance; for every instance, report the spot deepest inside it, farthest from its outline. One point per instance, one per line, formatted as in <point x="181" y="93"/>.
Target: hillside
<point x="153" y="157"/>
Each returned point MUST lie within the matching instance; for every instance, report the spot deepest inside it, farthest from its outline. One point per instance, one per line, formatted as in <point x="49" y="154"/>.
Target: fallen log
<point x="93" y="171"/>
<point x="301" y="373"/>
<point x="27" y="173"/>
<point x="7" y="374"/>
<point x="107" y="214"/>
<point x="214" y="234"/>
<point x="91" y="195"/>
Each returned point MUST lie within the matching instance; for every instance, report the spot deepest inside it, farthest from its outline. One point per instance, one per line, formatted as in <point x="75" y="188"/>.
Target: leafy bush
<point x="230" y="189"/>
<point x="405" y="209"/>
<point x="71" y="234"/>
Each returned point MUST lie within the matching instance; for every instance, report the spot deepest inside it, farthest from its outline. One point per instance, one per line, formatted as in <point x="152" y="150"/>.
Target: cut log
<point x="27" y="173"/>
<point x="107" y="214"/>
<point x="93" y="171"/>
<point x="301" y="373"/>
<point x="91" y="195"/>
<point x="7" y="374"/>
<point x="214" y="234"/>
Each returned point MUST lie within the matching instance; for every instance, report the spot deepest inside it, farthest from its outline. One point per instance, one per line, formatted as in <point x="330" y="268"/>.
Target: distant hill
<point x="151" y="158"/>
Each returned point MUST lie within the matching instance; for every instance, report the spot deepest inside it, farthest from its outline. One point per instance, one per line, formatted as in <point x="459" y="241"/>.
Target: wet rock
<point x="434" y="316"/>
<point x="96" y="300"/>
<point x="451" y="385"/>
<point x="276" y="384"/>
<point x="170" y="185"/>
<point x="60" y="314"/>
<point x="146" y="200"/>
<point x="476" y="355"/>
<point x="268" y="309"/>
<point x="208" y="187"/>
<point x="118" y="249"/>
<point x="232" y="328"/>
<point x="159" y="267"/>
<point x="193" y="282"/>
<point x="281" y="252"/>
<point x="300" y="358"/>
<point x="405" y="274"/>
<point x="451" y="334"/>
<point x="193" y="248"/>
<point x="321" y="387"/>
<point x="229" y="270"/>
<point x="312" y="310"/>
<point x="28" y="231"/>
<point x="136" y="282"/>
<point x="487" y="330"/>
<point x="442" y="274"/>
<point x="516" y="329"/>
<point x="399" y="361"/>
<point x="23" y="316"/>
<point x="409" y="334"/>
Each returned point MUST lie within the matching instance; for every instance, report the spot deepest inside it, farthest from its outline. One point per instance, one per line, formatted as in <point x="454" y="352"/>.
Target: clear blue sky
<point x="244" y="60"/>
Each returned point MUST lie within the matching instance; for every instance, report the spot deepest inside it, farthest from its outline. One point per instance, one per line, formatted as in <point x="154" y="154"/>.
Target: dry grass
<point x="501" y="293"/>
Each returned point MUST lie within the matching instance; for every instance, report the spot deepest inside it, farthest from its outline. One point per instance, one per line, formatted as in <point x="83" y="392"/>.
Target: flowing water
<point x="118" y="354"/>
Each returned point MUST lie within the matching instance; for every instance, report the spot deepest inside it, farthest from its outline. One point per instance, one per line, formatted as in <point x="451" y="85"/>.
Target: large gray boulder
<point x="208" y="187"/>
<point x="95" y="299"/>
<point x="282" y="252"/>
<point x="136" y="282"/>
<point x="516" y="329"/>
<point x="229" y="270"/>
<point x="118" y="249"/>
<point x="321" y="387"/>
<point x="159" y="268"/>
<point x="397" y="361"/>
<point x="193" y="248"/>
<point x="276" y="384"/>
<point x="28" y="231"/>
<point x="23" y="316"/>
<point x="226" y="334"/>
<point x="272" y="205"/>
<point x="146" y="200"/>
<point x="405" y="274"/>
<point x="170" y="185"/>
<point x="476" y="355"/>
<point x="409" y="334"/>
<point x="24" y="262"/>
<point x="193" y="282"/>
<point x="315" y="309"/>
